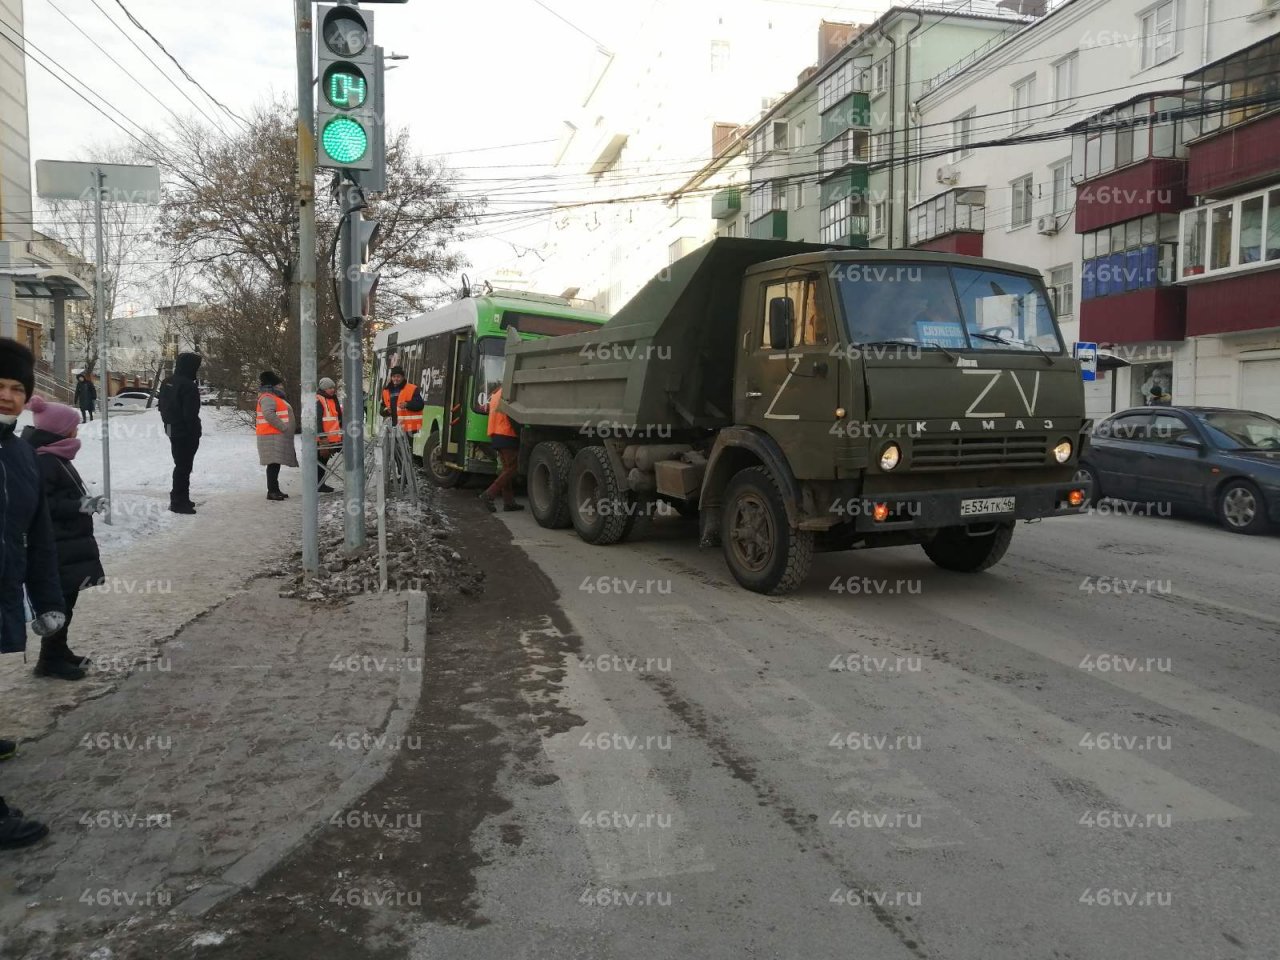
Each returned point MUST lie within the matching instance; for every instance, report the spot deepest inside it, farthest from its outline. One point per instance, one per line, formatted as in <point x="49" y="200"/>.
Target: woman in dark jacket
<point x="71" y="509"/>
<point x="86" y="397"/>
<point x="28" y="558"/>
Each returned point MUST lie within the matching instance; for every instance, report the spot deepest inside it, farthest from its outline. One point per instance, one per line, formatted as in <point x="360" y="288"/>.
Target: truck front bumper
<point x="932" y="509"/>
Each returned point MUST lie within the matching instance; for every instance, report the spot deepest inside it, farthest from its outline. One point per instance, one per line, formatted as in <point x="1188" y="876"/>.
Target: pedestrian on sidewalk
<point x="506" y="444"/>
<point x="28" y="557"/>
<point x="276" y="427"/>
<point x="86" y="397"/>
<point x="329" y="434"/>
<point x="71" y="510"/>
<point x="179" y="404"/>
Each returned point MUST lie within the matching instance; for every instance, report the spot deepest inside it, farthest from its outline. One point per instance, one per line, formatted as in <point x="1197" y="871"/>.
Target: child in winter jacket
<point x="71" y="509"/>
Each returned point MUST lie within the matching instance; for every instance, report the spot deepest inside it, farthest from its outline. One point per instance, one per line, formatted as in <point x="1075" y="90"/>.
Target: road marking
<point x="620" y="781"/>
<point x="1124" y="776"/>
<point x="1167" y="689"/>
<point x="869" y="779"/>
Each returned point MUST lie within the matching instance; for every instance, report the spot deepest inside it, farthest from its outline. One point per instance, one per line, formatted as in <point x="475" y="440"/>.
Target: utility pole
<point x="100" y="315"/>
<point x="305" y="291"/>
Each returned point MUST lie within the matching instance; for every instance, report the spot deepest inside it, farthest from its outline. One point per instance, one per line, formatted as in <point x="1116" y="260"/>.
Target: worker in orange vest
<point x="329" y="432"/>
<point x="506" y="444"/>
<point x="406" y="411"/>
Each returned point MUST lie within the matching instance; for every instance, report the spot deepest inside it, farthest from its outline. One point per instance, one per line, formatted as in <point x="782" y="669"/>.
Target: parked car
<point x="1212" y="459"/>
<point x="132" y="400"/>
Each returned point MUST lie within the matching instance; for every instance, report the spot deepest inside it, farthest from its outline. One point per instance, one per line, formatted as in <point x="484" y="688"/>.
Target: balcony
<point x="1154" y="185"/>
<point x="772" y="226"/>
<point x="956" y="212"/>
<point x="1234" y="131"/>
<point x="1140" y="316"/>
<point x="1141" y="130"/>
<point x="1233" y="304"/>
<point x="726" y="203"/>
<point x="848" y="149"/>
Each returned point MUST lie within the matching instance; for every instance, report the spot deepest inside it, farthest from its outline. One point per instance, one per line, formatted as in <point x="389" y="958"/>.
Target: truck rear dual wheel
<point x="954" y="549"/>
<point x="764" y="552"/>
<point x="599" y="506"/>
<point x="548" y="484"/>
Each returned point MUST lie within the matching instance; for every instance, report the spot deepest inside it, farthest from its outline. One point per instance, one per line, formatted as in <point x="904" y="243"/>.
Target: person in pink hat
<point x="71" y="508"/>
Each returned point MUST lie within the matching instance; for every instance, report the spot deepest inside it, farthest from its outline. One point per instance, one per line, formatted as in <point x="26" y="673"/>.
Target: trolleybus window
<point x="545" y="326"/>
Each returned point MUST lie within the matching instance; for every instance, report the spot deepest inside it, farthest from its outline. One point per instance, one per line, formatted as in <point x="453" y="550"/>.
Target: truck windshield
<point x="950" y="307"/>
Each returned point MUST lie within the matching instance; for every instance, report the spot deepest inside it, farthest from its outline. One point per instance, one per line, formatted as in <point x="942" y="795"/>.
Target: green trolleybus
<point x="455" y="354"/>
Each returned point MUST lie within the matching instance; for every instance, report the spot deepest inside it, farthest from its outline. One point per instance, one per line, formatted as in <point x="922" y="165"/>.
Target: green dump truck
<point x="798" y="398"/>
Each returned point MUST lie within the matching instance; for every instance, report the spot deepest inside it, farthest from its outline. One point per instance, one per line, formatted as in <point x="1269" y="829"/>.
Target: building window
<point x="880" y="76"/>
<point x="1129" y="134"/>
<point x="779" y="135"/>
<point x="1234" y="90"/>
<point x="1062" y="290"/>
<point x="836" y="86"/>
<point x="798" y="200"/>
<point x="843" y="220"/>
<point x="1020" y="200"/>
<point x="1159" y="32"/>
<point x="1063" y="193"/>
<point x="1220" y="220"/>
<point x="849" y="147"/>
<point x="1064" y="82"/>
<point x="719" y="56"/>
<point x="1024" y="95"/>
<point x="963" y="209"/>
<point x="1135" y="255"/>
<point x="961" y="136"/>
<point x="880" y="145"/>
<point x="800" y="139"/>
<point x="731" y="229"/>
<point x="877" y="218"/>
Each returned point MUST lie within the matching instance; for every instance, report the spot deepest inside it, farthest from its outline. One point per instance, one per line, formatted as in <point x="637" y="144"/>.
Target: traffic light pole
<point x="352" y="202"/>
<point x="306" y="286"/>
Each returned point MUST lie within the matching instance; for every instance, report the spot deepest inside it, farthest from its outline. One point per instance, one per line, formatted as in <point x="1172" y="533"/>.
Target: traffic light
<point x="359" y="236"/>
<point x="346" y="118"/>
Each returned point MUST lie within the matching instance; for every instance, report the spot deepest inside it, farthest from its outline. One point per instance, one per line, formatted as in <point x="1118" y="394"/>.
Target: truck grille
<point x="947" y="453"/>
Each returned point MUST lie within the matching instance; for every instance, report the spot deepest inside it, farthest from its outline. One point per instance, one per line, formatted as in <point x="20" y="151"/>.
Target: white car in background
<point x="132" y="400"/>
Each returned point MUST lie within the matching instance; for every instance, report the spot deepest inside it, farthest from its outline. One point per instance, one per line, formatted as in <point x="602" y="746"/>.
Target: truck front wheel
<point x="598" y="506"/>
<point x="955" y="549"/>
<point x="548" y="484"/>
<point x="764" y="552"/>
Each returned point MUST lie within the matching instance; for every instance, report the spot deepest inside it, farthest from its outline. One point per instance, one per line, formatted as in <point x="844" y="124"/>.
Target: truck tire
<point x="764" y="553"/>
<point x="441" y="475"/>
<point x="548" y="484"/>
<point x="598" y="506"/>
<point x="954" y="549"/>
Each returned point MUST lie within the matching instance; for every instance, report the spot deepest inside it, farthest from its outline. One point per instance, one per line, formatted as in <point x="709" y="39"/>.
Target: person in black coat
<point x="180" y="411"/>
<point x="28" y="556"/>
<point x="86" y="397"/>
<point x="71" y="511"/>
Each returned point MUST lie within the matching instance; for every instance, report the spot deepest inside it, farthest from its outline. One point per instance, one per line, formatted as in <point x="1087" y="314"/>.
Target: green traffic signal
<point x="345" y="86"/>
<point x="344" y="140"/>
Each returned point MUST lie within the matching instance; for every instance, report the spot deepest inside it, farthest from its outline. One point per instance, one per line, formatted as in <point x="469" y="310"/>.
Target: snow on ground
<point x="141" y="469"/>
<point x="163" y="569"/>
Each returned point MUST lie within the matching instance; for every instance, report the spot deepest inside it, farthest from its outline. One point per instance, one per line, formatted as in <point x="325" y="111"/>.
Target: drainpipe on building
<point x="906" y="118"/>
<point x="893" y="70"/>
<point x="1204" y="39"/>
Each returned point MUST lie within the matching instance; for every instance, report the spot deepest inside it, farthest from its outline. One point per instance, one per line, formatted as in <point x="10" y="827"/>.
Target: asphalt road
<point x="1073" y="755"/>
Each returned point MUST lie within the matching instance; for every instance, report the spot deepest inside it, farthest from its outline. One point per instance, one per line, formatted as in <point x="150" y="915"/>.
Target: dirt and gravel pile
<point x="420" y="556"/>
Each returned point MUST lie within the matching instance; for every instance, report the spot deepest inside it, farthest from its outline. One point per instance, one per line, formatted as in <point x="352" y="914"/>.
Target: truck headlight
<point x="1062" y="452"/>
<point x="890" y="456"/>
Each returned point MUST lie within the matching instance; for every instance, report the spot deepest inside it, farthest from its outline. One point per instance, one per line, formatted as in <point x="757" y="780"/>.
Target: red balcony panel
<point x="1157" y="185"/>
<point x="960" y="241"/>
<point x="1235" y="158"/>
<point x="1246" y="301"/>
<point x="1137" y="317"/>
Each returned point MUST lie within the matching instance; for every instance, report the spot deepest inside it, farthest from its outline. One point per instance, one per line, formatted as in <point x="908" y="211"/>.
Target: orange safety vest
<point x="410" y="420"/>
<point x="499" y="422"/>
<point x="330" y="434"/>
<point x="282" y="413"/>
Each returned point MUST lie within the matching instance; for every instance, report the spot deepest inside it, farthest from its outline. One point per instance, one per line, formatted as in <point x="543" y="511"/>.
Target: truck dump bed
<point x="666" y="358"/>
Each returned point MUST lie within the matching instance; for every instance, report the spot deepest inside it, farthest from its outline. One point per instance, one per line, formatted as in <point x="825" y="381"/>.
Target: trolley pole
<point x="305" y="285"/>
<point x="100" y="315"/>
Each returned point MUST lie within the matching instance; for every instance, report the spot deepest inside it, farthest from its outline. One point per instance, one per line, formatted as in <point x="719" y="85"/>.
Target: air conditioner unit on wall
<point x="1266" y="10"/>
<point x="948" y="174"/>
<point x="1047" y="226"/>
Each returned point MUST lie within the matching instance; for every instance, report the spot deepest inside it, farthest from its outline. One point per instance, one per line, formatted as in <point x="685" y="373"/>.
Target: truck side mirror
<point x="782" y="321"/>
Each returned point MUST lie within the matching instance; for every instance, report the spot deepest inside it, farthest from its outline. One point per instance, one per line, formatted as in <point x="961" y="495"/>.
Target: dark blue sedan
<point x="1207" y="458"/>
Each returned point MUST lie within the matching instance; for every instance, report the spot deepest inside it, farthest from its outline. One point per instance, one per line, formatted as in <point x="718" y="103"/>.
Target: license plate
<point x="982" y="505"/>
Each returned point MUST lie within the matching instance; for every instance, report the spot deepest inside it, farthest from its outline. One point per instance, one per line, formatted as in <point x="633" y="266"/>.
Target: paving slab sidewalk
<point x="260" y="720"/>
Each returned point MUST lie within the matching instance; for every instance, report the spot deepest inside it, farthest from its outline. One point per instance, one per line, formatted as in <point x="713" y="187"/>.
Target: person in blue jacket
<point x="28" y="554"/>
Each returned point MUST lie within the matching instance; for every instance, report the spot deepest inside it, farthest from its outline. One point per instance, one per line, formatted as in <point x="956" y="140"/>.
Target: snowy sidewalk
<point x="163" y="570"/>
<point x="263" y="720"/>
